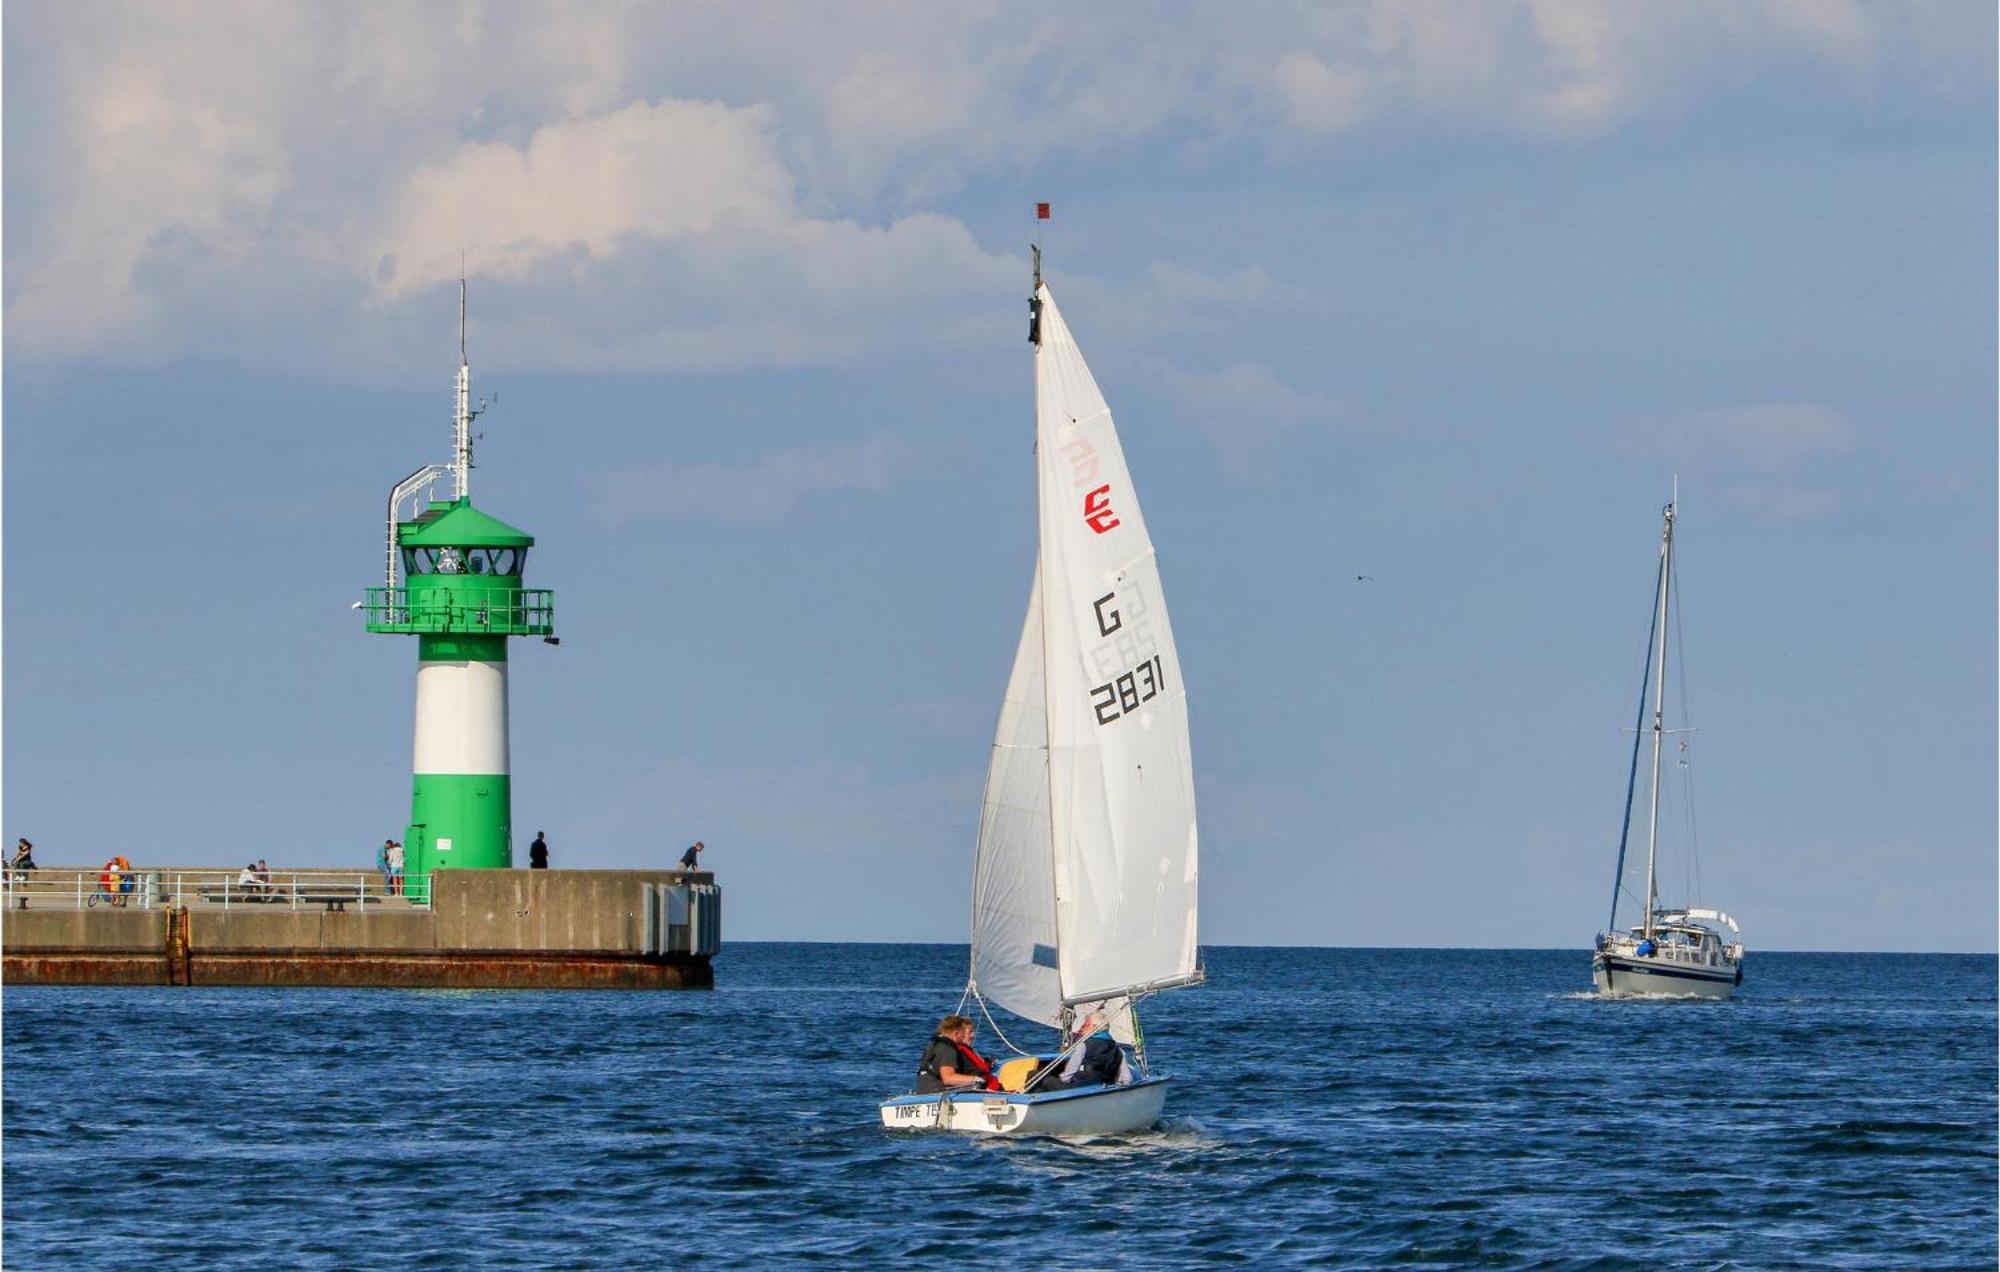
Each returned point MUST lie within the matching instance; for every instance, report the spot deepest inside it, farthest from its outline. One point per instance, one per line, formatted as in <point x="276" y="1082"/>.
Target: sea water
<point x="1332" y="1107"/>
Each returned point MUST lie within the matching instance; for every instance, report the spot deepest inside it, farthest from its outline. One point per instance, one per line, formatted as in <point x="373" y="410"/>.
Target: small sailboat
<point x="1680" y="952"/>
<point x="1084" y="885"/>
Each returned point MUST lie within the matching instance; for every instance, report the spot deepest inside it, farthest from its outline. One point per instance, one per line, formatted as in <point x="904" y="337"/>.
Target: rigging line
<point x="1050" y="1067"/>
<point x="1632" y="777"/>
<point x="1692" y="867"/>
<point x="991" y="1023"/>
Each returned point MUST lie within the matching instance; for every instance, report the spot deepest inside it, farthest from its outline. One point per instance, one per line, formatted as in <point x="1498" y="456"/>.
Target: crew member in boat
<point x="1098" y="1060"/>
<point x="950" y="1063"/>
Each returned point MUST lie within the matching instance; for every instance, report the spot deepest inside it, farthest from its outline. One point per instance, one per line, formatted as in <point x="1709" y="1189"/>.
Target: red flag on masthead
<point x="1041" y="211"/>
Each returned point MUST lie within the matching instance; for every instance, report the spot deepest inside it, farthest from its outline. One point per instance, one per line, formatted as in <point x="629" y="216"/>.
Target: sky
<point x="1411" y="316"/>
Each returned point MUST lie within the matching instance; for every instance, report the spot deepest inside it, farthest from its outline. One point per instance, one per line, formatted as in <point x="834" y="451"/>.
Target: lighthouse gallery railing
<point x="494" y="611"/>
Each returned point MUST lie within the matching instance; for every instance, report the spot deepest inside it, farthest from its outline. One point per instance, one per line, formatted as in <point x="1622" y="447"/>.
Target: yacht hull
<point x="1105" y="1110"/>
<point x="1628" y="976"/>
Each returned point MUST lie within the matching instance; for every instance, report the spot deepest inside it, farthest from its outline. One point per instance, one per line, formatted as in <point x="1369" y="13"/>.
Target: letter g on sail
<point x="1097" y="512"/>
<point x="1107" y="623"/>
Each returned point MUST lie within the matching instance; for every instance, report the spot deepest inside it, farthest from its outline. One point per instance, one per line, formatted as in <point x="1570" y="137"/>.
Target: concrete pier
<point x="494" y="929"/>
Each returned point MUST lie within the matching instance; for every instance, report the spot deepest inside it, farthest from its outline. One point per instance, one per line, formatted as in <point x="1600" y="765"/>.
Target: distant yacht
<point x="1670" y="951"/>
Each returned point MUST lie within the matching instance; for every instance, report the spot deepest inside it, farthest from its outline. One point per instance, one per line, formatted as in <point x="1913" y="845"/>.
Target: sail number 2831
<point x="1124" y="693"/>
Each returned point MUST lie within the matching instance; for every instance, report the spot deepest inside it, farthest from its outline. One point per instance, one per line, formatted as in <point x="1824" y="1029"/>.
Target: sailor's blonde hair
<point x="952" y="1024"/>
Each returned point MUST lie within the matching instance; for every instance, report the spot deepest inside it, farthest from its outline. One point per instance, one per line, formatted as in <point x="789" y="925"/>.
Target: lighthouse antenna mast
<point x="462" y="412"/>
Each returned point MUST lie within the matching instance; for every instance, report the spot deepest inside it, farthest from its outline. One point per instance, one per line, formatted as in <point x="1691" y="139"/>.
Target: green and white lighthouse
<point x="461" y="596"/>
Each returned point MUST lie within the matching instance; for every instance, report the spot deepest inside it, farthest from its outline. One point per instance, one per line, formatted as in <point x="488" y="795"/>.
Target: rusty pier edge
<point x="482" y="929"/>
<point x="392" y="969"/>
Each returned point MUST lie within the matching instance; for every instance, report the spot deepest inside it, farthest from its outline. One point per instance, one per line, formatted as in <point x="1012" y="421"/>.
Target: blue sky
<point x="1443" y="295"/>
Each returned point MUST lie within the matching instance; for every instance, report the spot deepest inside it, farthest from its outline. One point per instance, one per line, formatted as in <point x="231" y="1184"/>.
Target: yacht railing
<point x="1674" y="952"/>
<point x="138" y="888"/>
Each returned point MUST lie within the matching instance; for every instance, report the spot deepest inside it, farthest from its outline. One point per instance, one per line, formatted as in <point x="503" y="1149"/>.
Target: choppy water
<point x="1343" y="1107"/>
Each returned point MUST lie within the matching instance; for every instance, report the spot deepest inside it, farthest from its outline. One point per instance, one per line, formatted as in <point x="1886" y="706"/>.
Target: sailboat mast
<point x="1041" y="552"/>
<point x="1659" y="709"/>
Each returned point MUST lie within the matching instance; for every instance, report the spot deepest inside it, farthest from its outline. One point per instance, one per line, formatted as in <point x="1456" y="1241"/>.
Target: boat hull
<point x="1628" y="976"/>
<point x="1105" y="1110"/>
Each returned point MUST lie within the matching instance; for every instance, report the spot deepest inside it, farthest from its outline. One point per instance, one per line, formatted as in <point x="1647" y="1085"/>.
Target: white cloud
<point x="243" y="180"/>
<point x="1784" y="503"/>
<point x="655" y="170"/>
<point x="1769" y="437"/>
<point x="763" y="490"/>
<point x="1172" y="300"/>
<point x="1244" y="410"/>
<point x="1249" y="389"/>
<point x="1764" y="454"/>
<point x="1582" y="68"/>
<point x="1318" y="98"/>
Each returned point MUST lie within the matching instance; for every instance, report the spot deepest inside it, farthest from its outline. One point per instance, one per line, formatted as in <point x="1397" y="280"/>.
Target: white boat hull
<point x="1107" y="1110"/>
<point x="1629" y="976"/>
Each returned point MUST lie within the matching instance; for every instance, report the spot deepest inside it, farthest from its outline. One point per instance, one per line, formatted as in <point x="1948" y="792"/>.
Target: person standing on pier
<point x="18" y="870"/>
<point x="538" y="853"/>
<point x="395" y="868"/>
<point x="690" y="860"/>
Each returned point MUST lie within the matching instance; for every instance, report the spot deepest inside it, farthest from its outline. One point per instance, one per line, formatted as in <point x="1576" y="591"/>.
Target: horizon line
<point x="1443" y="949"/>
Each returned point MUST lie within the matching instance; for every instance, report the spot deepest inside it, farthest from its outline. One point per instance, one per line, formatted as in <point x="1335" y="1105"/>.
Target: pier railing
<point x="96" y="887"/>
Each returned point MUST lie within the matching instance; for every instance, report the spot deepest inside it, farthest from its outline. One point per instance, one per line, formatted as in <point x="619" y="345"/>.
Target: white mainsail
<point x="1121" y="784"/>
<point x="1086" y="881"/>
<point x="1013" y="890"/>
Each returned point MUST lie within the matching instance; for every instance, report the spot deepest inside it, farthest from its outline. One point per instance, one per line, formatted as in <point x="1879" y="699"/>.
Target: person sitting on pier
<point x="1098" y="1060"/>
<point x="950" y="1063"/>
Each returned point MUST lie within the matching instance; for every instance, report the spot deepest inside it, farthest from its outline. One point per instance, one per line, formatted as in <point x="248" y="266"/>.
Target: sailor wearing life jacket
<point x="1098" y="1060"/>
<point x="951" y="1064"/>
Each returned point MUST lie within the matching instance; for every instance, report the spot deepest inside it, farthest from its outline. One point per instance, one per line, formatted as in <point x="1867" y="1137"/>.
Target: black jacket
<point x="942" y="1052"/>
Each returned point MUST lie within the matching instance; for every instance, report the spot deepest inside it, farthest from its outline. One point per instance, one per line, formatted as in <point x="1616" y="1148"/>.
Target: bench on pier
<point x="334" y="899"/>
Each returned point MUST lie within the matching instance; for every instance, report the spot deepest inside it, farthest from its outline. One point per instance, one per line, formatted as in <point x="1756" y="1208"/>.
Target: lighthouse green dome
<point x="460" y="525"/>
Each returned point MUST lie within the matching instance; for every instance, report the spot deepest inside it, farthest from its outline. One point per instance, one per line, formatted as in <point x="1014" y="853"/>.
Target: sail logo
<point x="1082" y="456"/>
<point x="1097" y="512"/>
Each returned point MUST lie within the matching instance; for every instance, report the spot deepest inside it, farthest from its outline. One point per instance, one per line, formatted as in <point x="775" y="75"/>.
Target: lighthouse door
<point x="416" y="856"/>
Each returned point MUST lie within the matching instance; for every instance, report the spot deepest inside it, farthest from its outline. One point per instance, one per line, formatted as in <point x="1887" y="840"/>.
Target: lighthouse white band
<point x="461" y="718"/>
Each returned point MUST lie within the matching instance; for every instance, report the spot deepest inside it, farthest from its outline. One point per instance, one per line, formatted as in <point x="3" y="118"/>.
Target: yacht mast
<point x="1659" y="704"/>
